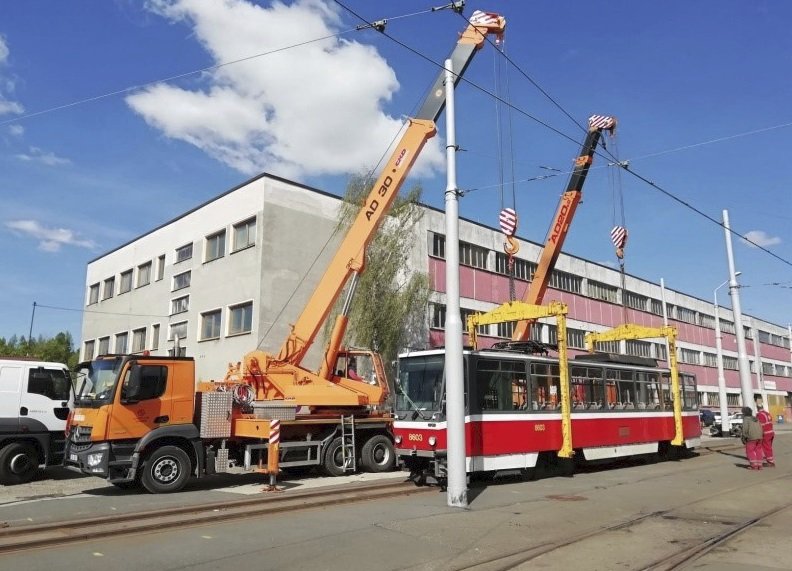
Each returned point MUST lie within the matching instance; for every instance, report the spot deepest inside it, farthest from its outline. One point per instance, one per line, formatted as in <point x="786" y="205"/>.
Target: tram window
<point x="689" y="400"/>
<point x="587" y="388"/>
<point x="501" y="385"/>
<point x="625" y="389"/>
<point x="654" y="396"/>
<point x="545" y="386"/>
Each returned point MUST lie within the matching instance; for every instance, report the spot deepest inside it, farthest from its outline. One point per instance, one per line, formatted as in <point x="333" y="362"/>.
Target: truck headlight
<point x="94" y="460"/>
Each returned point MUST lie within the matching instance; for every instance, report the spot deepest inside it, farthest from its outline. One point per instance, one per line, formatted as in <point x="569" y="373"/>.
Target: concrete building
<point x="232" y="274"/>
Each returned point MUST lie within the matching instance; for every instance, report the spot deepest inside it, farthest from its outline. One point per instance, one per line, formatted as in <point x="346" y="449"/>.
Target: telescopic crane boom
<point x="282" y="376"/>
<point x="563" y="218"/>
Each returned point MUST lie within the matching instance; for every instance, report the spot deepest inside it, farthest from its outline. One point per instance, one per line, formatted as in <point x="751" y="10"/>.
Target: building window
<point x="464" y="314"/>
<point x="184" y="253"/>
<point x="576" y="338"/>
<point x="523" y="269"/>
<point x="768" y="369"/>
<point x="180" y="304"/>
<point x="472" y="255"/>
<point x="602" y="291"/>
<point x="245" y="234"/>
<point x="88" y="350"/>
<point x="686" y="315"/>
<point x="607" y="347"/>
<point x="93" y="294"/>
<point x="155" y="329"/>
<point x="661" y="351"/>
<point x="656" y="306"/>
<point x="240" y="318"/>
<point x="506" y="329"/>
<point x="706" y="320"/>
<point x="139" y="340"/>
<point x="438" y="245"/>
<point x="126" y="282"/>
<point x="104" y="346"/>
<point x="566" y="282"/>
<point x="438" y="312"/>
<point x="144" y="274"/>
<point x="730" y="363"/>
<point x="689" y="356"/>
<point x="635" y="301"/>
<point x="161" y="267"/>
<point x="710" y="360"/>
<point x="639" y="348"/>
<point x="182" y="280"/>
<point x="109" y="287"/>
<point x="178" y="331"/>
<point x="727" y="326"/>
<point x="121" y="343"/>
<point x="181" y="353"/>
<point x="210" y="325"/>
<point x="215" y="246"/>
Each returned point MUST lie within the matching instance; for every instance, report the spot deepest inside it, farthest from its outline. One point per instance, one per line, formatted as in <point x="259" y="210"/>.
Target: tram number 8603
<point x="415" y="437"/>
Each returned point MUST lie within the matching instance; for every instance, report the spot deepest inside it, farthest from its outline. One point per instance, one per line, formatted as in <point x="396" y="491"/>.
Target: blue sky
<point x="81" y="179"/>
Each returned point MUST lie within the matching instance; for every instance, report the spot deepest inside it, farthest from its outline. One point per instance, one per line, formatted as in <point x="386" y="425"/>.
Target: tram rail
<point x="36" y="536"/>
<point x="522" y="558"/>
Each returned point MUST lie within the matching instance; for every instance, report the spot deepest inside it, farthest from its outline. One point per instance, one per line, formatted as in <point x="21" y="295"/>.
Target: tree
<point x="389" y="306"/>
<point x="58" y="349"/>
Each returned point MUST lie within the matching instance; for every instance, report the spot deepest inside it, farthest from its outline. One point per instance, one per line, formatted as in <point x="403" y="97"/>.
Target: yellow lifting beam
<point x="518" y="311"/>
<point x="630" y="331"/>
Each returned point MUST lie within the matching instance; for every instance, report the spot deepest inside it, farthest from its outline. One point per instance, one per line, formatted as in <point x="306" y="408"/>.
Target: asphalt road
<point x="618" y="518"/>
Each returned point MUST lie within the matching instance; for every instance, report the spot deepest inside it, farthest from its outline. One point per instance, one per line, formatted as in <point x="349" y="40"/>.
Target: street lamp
<point x="724" y="406"/>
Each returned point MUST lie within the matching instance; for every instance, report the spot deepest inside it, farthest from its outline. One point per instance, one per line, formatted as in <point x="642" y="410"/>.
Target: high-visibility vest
<point x="766" y="420"/>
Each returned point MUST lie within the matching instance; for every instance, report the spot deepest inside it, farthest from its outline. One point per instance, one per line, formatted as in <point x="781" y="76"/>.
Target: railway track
<point x="694" y="549"/>
<point x="28" y="537"/>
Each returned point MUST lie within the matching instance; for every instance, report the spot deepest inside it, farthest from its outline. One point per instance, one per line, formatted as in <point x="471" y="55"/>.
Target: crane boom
<point x="563" y="218"/>
<point x="350" y="257"/>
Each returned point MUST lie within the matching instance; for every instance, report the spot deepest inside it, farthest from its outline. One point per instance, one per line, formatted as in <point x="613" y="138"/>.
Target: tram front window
<point x="420" y="390"/>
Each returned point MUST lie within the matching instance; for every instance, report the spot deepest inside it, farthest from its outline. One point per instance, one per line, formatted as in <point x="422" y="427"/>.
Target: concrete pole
<point x="454" y="366"/>
<point x="758" y="361"/>
<point x="734" y="291"/>
<point x="722" y="396"/>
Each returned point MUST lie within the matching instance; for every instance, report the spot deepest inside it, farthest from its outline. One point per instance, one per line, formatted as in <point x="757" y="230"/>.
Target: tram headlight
<point x="397" y="439"/>
<point x="432" y="440"/>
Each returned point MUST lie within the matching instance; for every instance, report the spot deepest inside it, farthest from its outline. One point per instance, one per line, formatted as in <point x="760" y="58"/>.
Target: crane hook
<point x="511" y="246"/>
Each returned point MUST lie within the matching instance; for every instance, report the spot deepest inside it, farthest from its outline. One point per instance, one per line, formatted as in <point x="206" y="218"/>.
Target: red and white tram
<point x="620" y="406"/>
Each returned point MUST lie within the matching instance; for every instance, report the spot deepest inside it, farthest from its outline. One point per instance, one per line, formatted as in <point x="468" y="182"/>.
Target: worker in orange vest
<point x="766" y="420"/>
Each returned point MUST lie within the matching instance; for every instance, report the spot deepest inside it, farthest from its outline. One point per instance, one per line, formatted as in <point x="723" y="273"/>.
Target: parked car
<point x="706" y="416"/>
<point x="735" y="425"/>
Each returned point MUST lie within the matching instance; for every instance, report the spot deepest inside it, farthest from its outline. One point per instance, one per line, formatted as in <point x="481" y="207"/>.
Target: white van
<point x="35" y="400"/>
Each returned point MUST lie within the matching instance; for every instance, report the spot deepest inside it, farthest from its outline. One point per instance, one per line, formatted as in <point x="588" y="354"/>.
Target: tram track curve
<point x="519" y="558"/>
<point x="37" y="536"/>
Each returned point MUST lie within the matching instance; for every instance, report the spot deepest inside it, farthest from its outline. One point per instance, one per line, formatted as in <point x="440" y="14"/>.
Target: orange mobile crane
<point x="140" y="419"/>
<point x="563" y="218"/>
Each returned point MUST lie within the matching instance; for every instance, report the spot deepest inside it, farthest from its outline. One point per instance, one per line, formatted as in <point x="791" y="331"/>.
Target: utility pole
<point x="746" y="387"/>
<point x="455" y="381"/>
<point x="30" y="333"/>
<point x="722" y="396"/>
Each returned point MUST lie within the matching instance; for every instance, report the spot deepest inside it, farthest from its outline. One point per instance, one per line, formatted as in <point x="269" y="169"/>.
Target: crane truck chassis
<point x="141" y="419"/>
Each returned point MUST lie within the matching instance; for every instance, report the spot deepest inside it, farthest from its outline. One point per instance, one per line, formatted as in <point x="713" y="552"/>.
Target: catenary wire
<point x="606" y="154"/>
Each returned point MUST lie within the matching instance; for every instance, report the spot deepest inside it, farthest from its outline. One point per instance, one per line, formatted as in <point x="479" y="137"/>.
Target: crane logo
<point x="400" y="158"/>
<point x="559" y="225"/>
<point x="382" y="191"/>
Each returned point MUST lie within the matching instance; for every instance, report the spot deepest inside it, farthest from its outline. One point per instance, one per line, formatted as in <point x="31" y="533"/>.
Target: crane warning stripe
<point x="619" y="236"/>
<point x="508" y="221"/>
<point x="274" y="436"/>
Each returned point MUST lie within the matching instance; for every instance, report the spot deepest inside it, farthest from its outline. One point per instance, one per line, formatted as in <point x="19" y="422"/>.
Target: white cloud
<point x="310" y="110"/>
<point x="7" y="106"/>
<point x="3" y="49"/>
<point x="760" y="238"/>
<point x="50" y="239"/>
<point x="16" y="130"/>
<point x="38" y="155"/>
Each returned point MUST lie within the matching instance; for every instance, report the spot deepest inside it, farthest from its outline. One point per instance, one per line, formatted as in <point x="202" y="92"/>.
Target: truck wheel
<point x="378" y="454"/>
<point x="333" y="464"/>
<point x="18" y="463"/>
<point x="166" y="470"/>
